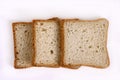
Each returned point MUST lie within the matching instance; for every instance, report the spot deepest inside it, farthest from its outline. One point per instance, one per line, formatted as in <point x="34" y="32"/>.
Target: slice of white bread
<point x="84" y="42"/>
<point x="23" y="44"/>
<point x="47" y="43"/>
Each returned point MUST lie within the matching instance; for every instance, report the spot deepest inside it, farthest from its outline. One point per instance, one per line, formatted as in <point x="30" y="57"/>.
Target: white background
<point x="27" y="10"/>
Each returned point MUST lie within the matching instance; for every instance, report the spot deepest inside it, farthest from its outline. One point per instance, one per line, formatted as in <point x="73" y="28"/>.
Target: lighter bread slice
<point x="47" y="43"/>
<point x="85" y="43"/>
<point x="23" y="44"/>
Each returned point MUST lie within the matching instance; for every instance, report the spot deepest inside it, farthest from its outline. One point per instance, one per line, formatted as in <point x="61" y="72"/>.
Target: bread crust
<point x="14" y="38"/>
<point x="34" y="57"/>
<point x="62" y="42"/>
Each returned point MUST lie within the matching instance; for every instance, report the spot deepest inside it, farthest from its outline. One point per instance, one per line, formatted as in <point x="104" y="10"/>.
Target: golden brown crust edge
<point x="62" y="43"/>
<point x="14" y="40"/>
<point x="62" y="31"/>
<point x="41" y="65"/>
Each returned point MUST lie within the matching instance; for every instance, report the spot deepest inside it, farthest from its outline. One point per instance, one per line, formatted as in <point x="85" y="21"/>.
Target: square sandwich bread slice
<point x="23" y="44"/>
<point x="84" y="42"/>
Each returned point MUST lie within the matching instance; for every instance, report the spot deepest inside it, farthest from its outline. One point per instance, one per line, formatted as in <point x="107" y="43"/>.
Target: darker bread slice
<point x="84" y="43"/>
<point x="23" y="44"/>
<point x="47" y="43"/>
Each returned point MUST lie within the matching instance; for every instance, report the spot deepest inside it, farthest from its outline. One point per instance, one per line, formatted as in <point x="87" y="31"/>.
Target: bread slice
<point x="23" y="44"/>
<point x="46" y="43"/>
<point x="84" y="42"/>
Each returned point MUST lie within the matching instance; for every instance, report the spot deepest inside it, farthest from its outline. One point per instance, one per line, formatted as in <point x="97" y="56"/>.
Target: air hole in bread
<point x="44" y="29"/>
<point x="97" y="46"/>
<point x="69" y="64"/>
<point x="90" y="46"/>
<point x="80" y="47"/>
<point x="51" y="51"/>
<point x="75" y="30"/>
<point x="20" y="44"/>
<point x="81" y="37"/>
<point x="25" y="31"/>
<point x="84" y="30"/>
<point x="51" y="42"/>
<point x="96" y="51"/>
<point x="23" y="24"/>
<point x="86" y="40"/>
<point x="41" y="24"/>
<point x="104" y="25"/>
<point x="82" y="50"/>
